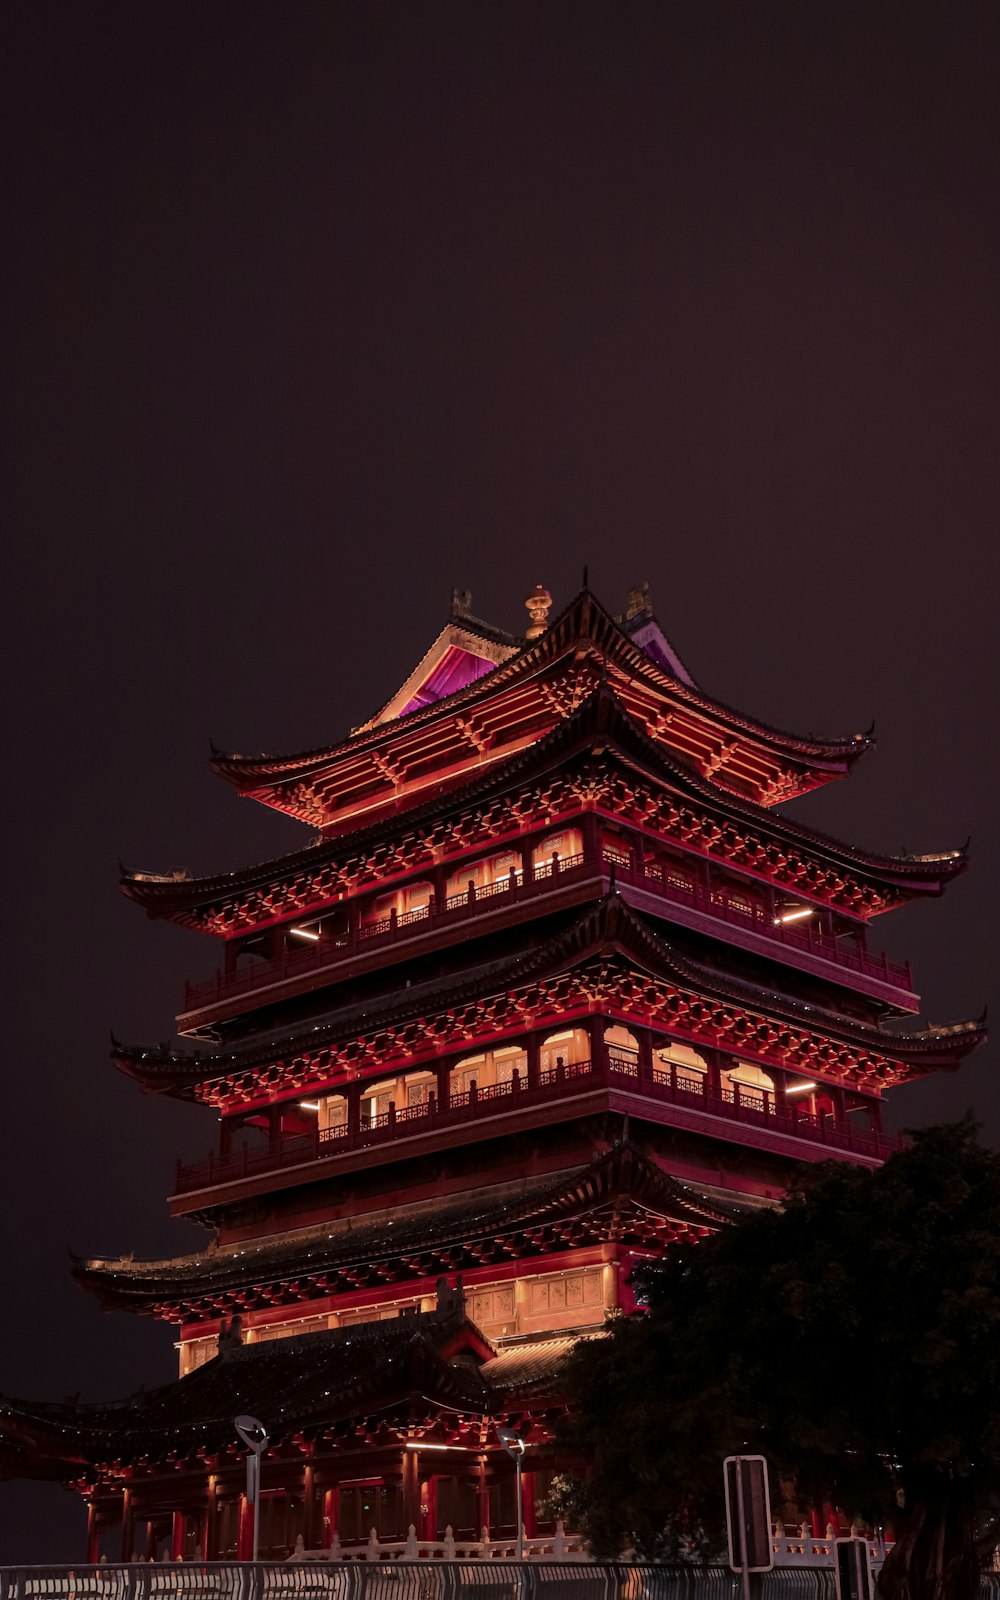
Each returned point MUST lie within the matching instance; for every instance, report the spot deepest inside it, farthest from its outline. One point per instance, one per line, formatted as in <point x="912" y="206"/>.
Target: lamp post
<point x="254" y="1436"/>
<point x="515" y="1447"/>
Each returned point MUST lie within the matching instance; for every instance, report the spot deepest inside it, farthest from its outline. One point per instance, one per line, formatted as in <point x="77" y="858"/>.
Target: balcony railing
<point x="621" y="1069"/>
<point x="653" y="878"/>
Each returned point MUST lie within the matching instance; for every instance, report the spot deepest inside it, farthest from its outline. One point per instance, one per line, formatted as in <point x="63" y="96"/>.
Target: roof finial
<point x="638" y="601"/>
<point x="461" y="603"/>
<point x="539" y="603"/>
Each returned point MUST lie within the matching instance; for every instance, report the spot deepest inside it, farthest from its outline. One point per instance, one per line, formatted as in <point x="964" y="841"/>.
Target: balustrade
<point x="621" y="1070"/>
<point x="653" y="878"/>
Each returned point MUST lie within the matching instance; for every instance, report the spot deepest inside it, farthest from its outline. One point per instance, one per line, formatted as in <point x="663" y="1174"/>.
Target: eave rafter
<point x="539" y="682"/>
<point x="607" y="960"/>
<point x="556" y="778"/>
<point x="620" y="1197"/>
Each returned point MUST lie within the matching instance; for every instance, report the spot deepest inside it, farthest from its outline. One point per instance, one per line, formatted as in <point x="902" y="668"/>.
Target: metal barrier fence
<point x="416" y="1580"/>
<point x="402" y="1580"/>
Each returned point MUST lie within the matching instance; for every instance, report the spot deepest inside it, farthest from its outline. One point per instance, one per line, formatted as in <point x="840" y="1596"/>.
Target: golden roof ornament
<point x="539" y="604"/>
<point x="638" y="600"/>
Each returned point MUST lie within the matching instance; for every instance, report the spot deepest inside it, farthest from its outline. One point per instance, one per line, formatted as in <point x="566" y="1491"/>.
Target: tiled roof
<point x="162" y="893"/>
<point x="298" y="1383"/>
<point x="523" y="1367"/>
<point x="501" y="1209"/>
<point x="608" y="926"/>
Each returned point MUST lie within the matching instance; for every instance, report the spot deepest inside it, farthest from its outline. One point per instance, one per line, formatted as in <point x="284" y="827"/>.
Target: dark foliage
<point x="853" y="1337"/>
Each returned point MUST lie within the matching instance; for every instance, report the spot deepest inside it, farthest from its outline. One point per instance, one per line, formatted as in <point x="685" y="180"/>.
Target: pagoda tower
<point x="551" y="985"/>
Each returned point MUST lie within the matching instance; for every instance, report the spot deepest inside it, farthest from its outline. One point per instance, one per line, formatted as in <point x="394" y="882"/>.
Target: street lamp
<point x="515" y="1447"/>
<point x="254" y="1436"/>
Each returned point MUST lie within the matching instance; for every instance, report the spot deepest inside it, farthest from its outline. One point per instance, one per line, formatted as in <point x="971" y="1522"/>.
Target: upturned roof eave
<point x="584" y="618"/>
<point x="167" y="894"/>
<point x="625" y="1171"/>
<point x="606" y="925"/>
<point x="98" y="1433"/>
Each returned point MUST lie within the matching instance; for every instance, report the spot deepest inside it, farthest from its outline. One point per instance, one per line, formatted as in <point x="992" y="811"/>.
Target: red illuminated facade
<point x="552" y="984"/>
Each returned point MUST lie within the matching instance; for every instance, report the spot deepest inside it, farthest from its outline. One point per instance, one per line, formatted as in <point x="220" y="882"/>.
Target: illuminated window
<point x="750" y="1080"/>
<point x="570" y="1046"/>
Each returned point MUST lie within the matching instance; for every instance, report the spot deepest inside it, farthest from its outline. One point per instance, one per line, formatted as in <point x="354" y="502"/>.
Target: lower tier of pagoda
<point x="625" y="1082"/>
<point x="382" y="1430"/>
<point x="394" y="1392"/>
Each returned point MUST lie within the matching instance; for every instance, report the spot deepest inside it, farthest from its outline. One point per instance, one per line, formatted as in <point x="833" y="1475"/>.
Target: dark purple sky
<point x="319" y="309"/>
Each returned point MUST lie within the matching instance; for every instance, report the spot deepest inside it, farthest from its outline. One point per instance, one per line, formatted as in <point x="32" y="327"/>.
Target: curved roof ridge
<point x="608" y="923"/>
<point x="623" y="1170"/>
<point x="593" y="621"/>
<point x="604" y="709"/>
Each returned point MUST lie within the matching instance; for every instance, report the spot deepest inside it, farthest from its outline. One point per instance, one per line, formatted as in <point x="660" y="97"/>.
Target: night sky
<point x="320" y="309"/>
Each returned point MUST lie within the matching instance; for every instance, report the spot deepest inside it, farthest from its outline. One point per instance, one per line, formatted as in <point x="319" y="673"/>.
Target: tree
<point x="852" y="1336"/>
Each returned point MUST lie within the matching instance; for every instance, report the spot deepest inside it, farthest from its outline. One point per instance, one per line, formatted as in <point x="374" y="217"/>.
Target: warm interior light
<point x="304" y="933"/>
<point x="309" y="1105"/>
<point x="421" y="1444"/>
<point x="800" y="1088"/>
<point x="796" y="916"/>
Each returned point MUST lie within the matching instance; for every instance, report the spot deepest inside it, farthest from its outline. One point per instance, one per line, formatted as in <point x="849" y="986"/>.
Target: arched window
<point x="751" y="1082"/>
<point x="411" y="901"/>
<point x="506" y="1060"/>
<point x="690" y="1069"/>
<point x="483" y="874"/>
<point x="470" y="1070"/>
<point x="489" y="1068"/>
<point x="568" y="1047"/>
<point x="375" y="1099"/>
<point x="418" y="1089"/>
<point x="565" y="846"/>
<point x="332" y="1116"/>
<point x="623" y="1049"/>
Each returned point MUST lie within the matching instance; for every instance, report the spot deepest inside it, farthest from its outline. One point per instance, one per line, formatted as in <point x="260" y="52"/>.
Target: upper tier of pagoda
<point x="598" y="756"/>
<point x="605" y="958"/>
<point x="479" y="695"/>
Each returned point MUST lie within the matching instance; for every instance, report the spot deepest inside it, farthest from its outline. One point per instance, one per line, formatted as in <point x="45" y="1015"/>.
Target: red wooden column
<point x="443" y="1084"/>
<point x="209" y="1528"/>
<point x="352" y="1094"/>
<point x="178" y="1532"/>
<point x="331" y="1516"/>
<point x="645" y="1038"/>
<point x="533" y="1051"/>
<point x="128" y="1525"/>
<point x="310" y="1537"/>
<point x="428" y="1509"/>
<point x="244" y="1531"/>
<point x="527" y="861"/>
<point x="411" y="1490"/>
<point x="93" y="1535"/>
<point x="483" y="1499"/>
<point x="528" y="1505"/>
<point x="780" y="1080"/>
<point x="274" y="1128"/>
<point x="598" y="1049"/>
